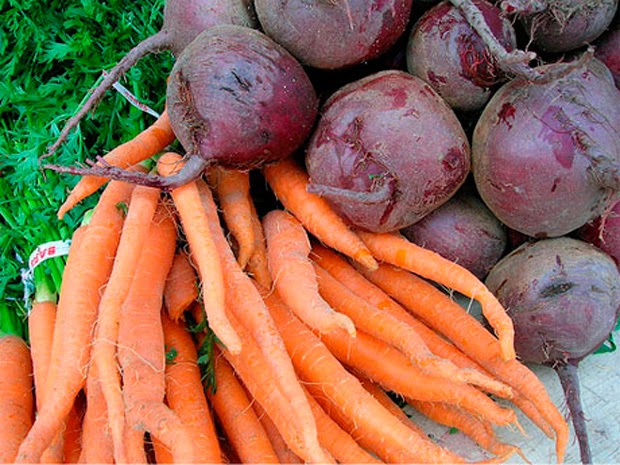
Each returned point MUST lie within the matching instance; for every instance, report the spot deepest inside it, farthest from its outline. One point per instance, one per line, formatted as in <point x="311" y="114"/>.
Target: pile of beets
<point x="486" y="131"/>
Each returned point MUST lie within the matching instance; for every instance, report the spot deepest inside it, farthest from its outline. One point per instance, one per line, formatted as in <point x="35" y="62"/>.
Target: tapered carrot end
<point x="507" y="348"/>
<point x="365" y="258"/>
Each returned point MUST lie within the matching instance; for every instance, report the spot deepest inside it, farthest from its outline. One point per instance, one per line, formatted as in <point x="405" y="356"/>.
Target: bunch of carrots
<point x="189" y="328"/>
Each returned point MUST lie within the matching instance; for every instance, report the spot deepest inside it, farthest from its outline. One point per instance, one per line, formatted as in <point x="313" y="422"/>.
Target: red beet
<point x="464" y="231"/>
<point x="563" y="296"/>
<point x="546" y="156"/>
<point x="333" y="34"/>
<point x="444" y="51"/>
<point x="387" y="151"/>
<point x="608" y="50"/>
<point x="183" y="21"/>
<point x="604" y="232"/>
<point x="569" y="24"/>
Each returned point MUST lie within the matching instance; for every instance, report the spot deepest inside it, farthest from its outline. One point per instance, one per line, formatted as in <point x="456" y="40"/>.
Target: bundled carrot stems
<point x="187" y="327"/>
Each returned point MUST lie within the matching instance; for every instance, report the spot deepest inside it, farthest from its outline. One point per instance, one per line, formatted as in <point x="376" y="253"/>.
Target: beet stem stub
<point x="569" y="378"/>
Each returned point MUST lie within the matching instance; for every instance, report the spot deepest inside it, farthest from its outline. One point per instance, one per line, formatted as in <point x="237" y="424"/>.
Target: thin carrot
<point x="246" y="303"/>
<point x="149" y="142"/>
<point x="185" y="394"/>
<point x="282" y="450"/>
<point x="344" y="272"/>
<point x="141" y="347"/>
<point x="447" y="317"/>
<point x="324" y="375"/>
<point x="232" y="188"/>
<point x="200" y="238"/>
<point x="478" y="430"/>
<point x="336" y="440"/>
<point x="144" y="201"/>
<point x="257" y="266"/>
<point x="17" y="407"/>
<point x="80" y="294"/>
<point x="134" y="445"/>
<point x="397" y="250"/>
<point x="97" y="445"/>
<point x="162" y="453"/>
<point x="181" y="286"/>
<point x="288" y="181"/>
<point x="236" y="416"/>
<point x="392" y="370"/>
<point x="72" y="436"/>
<point x="288" y="247"/>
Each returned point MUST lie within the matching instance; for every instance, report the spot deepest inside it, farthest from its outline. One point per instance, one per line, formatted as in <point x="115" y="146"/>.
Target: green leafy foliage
<point x="51" y="55"/>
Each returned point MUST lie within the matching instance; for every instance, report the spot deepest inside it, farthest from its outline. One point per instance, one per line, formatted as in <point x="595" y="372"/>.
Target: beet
<point x="546" y="156"/>
<point x="608" y="50"/>
<point x="387" y="151"/>
<point x="464" y="231"/>
<point x="444" y="51"/>
<point x="333" y="34"/>
<point x="604" y="232"/>
<point x="236" y="99"/>
<point x="563" y="296"/>
<point x="183" y="21"/>
<point x="568" y="24"/>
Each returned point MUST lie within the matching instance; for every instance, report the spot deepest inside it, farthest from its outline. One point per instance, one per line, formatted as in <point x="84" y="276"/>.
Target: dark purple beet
<point x="604" y="232"/>
<point x="568" y="24"/>
<point x="444" y="51"/>
<point x="608" y="50"/>
<point x="546" y="156"/>
<point x="183" y="21"/>
<point x="387" y="151"/>
<point x="563" y="296"/>
<point x="464" y="231"/>
<point x="333" y="34"/>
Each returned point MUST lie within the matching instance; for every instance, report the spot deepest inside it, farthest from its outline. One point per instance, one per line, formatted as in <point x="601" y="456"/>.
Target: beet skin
<point x="387" y="151"/>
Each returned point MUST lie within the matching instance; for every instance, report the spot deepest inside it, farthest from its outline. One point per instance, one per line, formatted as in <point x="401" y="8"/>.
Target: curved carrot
<point x="141" y="347"/>
<point x="233" y="195"/>
<point x="239" y="421"/>
<point x="78" y="303"/>
<point x="185" y="394"/>
<point x="450" y="319"/>
<point x="144" y="201"/>
<point x="288" y="247"/>
<point x="246" y="303"/>
<point x="399" y="251"/>
<point x="257" y="266"/>
<point x="17" y="406"/>
<point x="200" y="238"/>
<point x="470" y="371"/>
<point x="325" y="376"/>
<point x="288" y="181"/>
<point x="181" y="286"/>
<point x="149" y="142"/>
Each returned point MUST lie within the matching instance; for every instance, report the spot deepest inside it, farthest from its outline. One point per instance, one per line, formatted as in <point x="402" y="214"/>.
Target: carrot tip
<point x="366" y="259"/>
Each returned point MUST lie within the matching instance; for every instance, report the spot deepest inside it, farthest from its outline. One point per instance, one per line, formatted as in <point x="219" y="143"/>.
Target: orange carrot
<point x="17" y="409"/>
<point x="200" y="238"/>
<point x="149" y="142"/>
<point x="288" y="248"/>
<point x="144" y="201"/>
<point x="288" y="181"/>
<point x="162" y="453"/>
<point x="233" y="194"/>
<point x="467" y="333"/>
<point x="134" y="445"/>
<point x="181" y="286"/>
<point x="97" y="445"/>
<point x="389" y="368"/>
<point x="257" y="265"/>
<point x="184" y="391"/>
<point x="344" y="272"/>
<point x="41" y="321"/>
<point x="478" y="430"/>
<point x="239" y="421"/>
<point x="281" y="449"/>
<point x="246" y="303"/>
<point x="72" y="436"/>
<point x="336" y="440"/>
<point x="397" y="250"/>
<point x="80" y="294"/>
<point x="324" y="375"/>
<point x="141" y="347"/>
